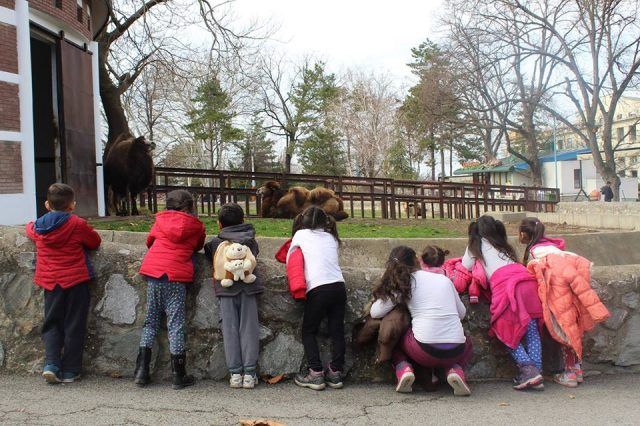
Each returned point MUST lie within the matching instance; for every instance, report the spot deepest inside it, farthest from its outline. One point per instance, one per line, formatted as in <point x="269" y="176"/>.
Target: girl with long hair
<point x="436" y="337"/>
<point x="516" y="311"/>
<point x="316" y="235"/>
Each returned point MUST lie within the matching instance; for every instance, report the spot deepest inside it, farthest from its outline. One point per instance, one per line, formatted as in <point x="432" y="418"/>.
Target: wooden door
<point x="77" y="126"/>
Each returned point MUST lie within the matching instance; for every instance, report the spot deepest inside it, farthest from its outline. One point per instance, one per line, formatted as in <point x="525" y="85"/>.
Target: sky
<point x="371" y="35"/>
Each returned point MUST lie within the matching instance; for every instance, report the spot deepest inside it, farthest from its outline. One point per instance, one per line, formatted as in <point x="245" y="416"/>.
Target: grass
<point x="350" y="228"/>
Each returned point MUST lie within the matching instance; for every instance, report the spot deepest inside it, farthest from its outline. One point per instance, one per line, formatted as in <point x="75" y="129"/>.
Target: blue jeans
<point x="167" y="297"/>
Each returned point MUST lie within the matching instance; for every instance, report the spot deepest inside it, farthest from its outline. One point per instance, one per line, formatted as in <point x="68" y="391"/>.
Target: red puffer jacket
<point x="474" y="281"/>
<point x="295" y="270"/>
<point x="173" y="239"/>
<point x="61" y="242"/>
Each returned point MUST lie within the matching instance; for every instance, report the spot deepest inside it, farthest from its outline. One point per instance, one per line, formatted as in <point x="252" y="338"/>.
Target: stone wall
<point x="117" y="314"/>
<point x="619" y="215"/>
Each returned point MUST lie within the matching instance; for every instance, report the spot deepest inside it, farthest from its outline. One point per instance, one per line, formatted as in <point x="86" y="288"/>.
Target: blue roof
<point x="564" y="155"/>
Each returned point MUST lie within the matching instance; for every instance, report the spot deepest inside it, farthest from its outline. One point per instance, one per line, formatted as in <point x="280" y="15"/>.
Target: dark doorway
<point x="48" y="166"/>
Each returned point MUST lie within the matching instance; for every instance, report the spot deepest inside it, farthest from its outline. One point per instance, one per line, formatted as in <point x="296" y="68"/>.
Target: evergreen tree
<point x="211" y="121"/>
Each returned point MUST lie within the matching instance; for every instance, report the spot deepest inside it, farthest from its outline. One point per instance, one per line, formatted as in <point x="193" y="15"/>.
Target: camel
<point x="280" y="203"/>
<point x="128" y="170"/>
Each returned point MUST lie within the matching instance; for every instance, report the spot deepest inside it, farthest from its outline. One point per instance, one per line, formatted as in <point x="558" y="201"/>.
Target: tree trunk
<point x="432" y="153"/>
<point x="111" y="102"/>
<point x="287" y="163"/>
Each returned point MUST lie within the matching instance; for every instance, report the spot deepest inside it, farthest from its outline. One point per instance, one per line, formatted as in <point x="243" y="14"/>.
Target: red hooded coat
<point x="173" y="239"/>
<point x="61" y="241"/>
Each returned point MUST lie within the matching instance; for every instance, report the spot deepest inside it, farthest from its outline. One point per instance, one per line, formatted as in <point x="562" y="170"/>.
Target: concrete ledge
<point x="508" y="217"/>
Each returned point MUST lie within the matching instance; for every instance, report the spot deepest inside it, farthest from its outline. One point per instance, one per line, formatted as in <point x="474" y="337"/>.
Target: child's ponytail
<point x="395" y="284"/>
<point x="534" y="230"/>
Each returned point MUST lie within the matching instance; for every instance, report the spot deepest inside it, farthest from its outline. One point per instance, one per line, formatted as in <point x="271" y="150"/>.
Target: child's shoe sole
<point x="405" y="384"/>
<point x="51" y="377"/>
<point x="338" y="385"/>
<point x="460" y="388"/>
<point x="534" y="381"/>
<point x="310" y="385"/>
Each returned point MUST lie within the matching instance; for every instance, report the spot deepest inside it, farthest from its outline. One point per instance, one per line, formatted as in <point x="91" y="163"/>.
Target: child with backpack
<point x="326" y="296"/>
<point x="516" y="311"/>
<point x="63" y="270"/>
<point x="168" y="268"/>
<point x="570" y="305"/>
<point x="238" y="302"/>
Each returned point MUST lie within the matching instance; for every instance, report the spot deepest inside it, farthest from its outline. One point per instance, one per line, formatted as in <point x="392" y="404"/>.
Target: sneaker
<point x="528" y="378"/>
<point x="405" y="379"/>
<point x="567" y="379"/>
<point x="333" y="378"/>
<point x="69" y="377"/>
<point x="312" y="380"/>
<point x="249" y="381"/>
<point x="455" y="378"/>
<point x="236" y="380"/>
<point x="579" y="375"/>
<point x="538" y="387"/>
<point x="51" y="373"/>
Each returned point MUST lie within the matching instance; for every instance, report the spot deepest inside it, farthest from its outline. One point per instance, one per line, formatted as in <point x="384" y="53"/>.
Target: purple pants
<point x="409" y="350"/>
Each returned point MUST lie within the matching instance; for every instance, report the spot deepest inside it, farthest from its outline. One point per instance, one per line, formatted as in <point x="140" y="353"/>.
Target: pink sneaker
<point x="455" y="378"/>
<point x="579" y="374"/>
<point x="567" y="379"/>
<point x="405" y="379"/>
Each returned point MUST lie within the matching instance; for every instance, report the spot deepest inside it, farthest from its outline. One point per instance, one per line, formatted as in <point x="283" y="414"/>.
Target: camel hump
<point x="320" y="195"/>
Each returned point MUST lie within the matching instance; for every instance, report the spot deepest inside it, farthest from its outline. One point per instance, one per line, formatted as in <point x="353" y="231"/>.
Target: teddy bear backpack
<point x="233" y="262"/>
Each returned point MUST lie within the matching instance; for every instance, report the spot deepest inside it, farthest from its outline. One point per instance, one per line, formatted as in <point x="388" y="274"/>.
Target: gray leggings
<point x="241" y="332"/>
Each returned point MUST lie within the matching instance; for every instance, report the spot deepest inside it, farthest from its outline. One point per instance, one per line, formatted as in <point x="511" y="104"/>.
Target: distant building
<point x="49" y="104"/>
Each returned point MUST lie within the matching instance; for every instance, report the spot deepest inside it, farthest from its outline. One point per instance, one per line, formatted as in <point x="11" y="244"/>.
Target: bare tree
<point x="600" y="52"/>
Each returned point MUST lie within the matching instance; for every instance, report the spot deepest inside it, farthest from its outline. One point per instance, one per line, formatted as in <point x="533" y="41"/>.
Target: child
<point x="326" y="296"/>
<point x="436" y="337"/>
<point x="570" y="305"/>
<point x="168" y="267"/>
<point x="515" y="306"/>
<point x="63" y="271"/>
<point x="432" y="259"/>
<point x="238" y="303"/>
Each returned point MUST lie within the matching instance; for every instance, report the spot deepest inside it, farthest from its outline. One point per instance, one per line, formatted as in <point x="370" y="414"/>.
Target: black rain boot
<point x="141" y="375"/>
<point x="180" y="377"/>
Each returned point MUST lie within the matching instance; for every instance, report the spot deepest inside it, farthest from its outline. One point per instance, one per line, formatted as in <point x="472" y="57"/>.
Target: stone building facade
<point x="49" y="111"/>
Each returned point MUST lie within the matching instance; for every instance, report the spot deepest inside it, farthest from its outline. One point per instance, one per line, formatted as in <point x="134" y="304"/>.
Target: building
<point x="575" y="174"/>
<point x="49" y="104"/>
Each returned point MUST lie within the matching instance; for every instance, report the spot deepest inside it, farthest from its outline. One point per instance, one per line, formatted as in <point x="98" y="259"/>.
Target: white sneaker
<point x="249" y="381"/>
<point x="235" y="381"/>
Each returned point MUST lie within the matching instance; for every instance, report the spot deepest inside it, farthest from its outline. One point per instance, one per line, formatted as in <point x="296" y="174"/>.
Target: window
<point x="569" y="143"/>
<point x="80" y="14"/>
<point x="620" y="131"/>
<point x="634" y="173"/>
<point x="633" y="135"/>
<point x="576" y="178"/>
<point x="559" y="144"/>
<point x="57" y="4"/>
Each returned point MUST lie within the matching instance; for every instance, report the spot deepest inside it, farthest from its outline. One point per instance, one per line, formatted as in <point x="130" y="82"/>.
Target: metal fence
<point x="364" y="197"/>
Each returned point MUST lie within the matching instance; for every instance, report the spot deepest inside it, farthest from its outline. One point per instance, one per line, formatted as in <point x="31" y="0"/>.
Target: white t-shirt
<point x="493" y="259"/>
<point x="436" y="309"/>
<point x="320" y="251"/>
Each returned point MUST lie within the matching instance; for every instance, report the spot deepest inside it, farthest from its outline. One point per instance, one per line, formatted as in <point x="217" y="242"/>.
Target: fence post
<point x="393" y="199"/>
<point x="441" y="201"/>
<point x="223" y="198"/>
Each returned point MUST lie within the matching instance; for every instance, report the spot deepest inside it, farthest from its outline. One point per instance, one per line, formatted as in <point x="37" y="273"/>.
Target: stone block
<point x="283" y="355"/>
<point x="217" y="365"/>
<point x="631" y="300"/>
<point x="119" y="301"/>
<point x="16" y="291"/>
<point x="629" y="352"/>
<point x="207" y="314"/>
<point x="615" y="321"/>
<point x="27" y="260"/>
<point x="1" y="355"/>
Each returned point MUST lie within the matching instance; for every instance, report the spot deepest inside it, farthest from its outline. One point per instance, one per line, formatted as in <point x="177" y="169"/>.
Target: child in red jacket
<point x="168" y="266"/>
<point x="63" y="271"/>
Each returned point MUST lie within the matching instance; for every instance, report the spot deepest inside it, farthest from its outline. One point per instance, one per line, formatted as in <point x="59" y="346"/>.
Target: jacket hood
<point x="548" y="241"/>
<point x="242" y="233"/>
<point x="178" y="226"/>
<point x="55" y="228"/>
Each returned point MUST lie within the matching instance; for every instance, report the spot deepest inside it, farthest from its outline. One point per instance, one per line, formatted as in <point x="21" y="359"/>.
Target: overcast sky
<point x="368" y="34"/>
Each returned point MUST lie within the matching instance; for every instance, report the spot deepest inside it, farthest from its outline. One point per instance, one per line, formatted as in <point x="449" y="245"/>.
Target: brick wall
<point x="8" y="3"/>
<point x="10" y="168"/>
<point x="9" y="107"/>
<point x="8" y="49"/>
<point x="68" y="13"/>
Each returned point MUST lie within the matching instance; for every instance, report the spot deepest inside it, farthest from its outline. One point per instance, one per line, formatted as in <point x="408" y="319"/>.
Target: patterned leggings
<point x="529" y="353"/>
<point x="168" y="297"/>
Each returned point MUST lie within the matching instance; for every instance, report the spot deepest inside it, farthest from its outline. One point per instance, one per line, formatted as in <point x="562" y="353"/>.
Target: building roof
<point x="513" y="163"/>
<point x="100" y="10"/>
